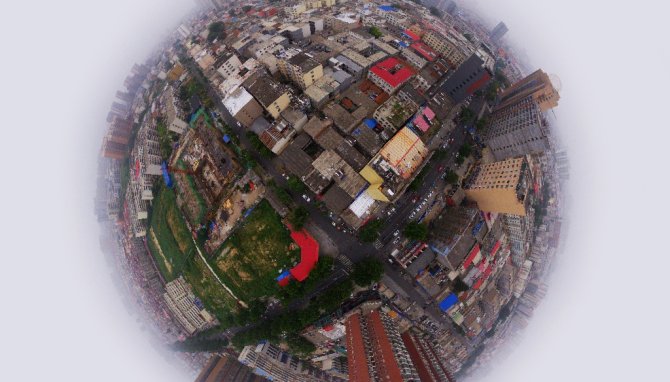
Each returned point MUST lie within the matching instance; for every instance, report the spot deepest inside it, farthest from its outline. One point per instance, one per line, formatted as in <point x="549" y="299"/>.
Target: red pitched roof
<point x="309" y="254"/>
<point x="382" y="350"/>
<point x="495" y="249"/>
<point x="483" y="277"/>
<point x="392" y="71"/>
<point x="356" y="356"/>
<point x="412" y="35"/>
<point x="427" y="52"/>
<point x="471" y="256"/>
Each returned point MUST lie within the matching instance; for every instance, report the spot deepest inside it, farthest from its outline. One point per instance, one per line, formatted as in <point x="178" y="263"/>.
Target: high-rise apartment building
<point x="473" y="74"/>
<point x="519" y="230"/>
<point x="499" y="31"/>
<point x="270" y="361"/>
<point x="185" y="307"/>
<point x="174" y="116"/>
<point x="114" y="150"/>
<point x="517" y="125"/>
<point x="223" y="368"/>
<point x="500" y="186"/>
<point x="426" y="359"/>
<point x="537" y="85"/>
<point x="375" y="350"/>
<point x="517" y="129"/>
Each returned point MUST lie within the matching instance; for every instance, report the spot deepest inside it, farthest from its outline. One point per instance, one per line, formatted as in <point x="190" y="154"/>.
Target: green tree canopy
<point x="200" y="345"/>
<point x="298" y="217"/>
<point x="466" y="115"/>
<point x="481" y="124"/>
<point x="375" y="32"/>
<point x="258" y="145"/>
<point x="436" y="12"/>
<point x="370" y="232"/>
<point x="501" y="78"/>
<point x="416" y="231"/>
<point x="460" y="160"/>
<point x="217" y="30"/>
<point x="295" y="184"/>
<point x="300" y="345"/>
<point x="465" y="150"/>
<point x="367" y="271"/>
<point x="451" y="177"/>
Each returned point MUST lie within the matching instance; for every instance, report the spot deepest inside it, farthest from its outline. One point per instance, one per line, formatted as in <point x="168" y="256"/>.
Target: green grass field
<point x="176" y="254"/>
<point x="250" y="259"/>
<point x="187" y="189"/>
<point x="171" y="233"/>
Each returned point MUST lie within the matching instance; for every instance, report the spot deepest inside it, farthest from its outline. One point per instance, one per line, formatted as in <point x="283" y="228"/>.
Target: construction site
<point x="213" y="190"/>
<point x="224" y="217"/>
<point x="256" y="251"/>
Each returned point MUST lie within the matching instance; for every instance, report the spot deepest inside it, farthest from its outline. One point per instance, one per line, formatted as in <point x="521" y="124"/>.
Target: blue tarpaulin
<point x="283" y="275"/>
<point x="226" y="138"/>
<point x="246" y="214"/>
<point x="198" y="303"/>
<point x="448" y="302"/>
<point x="166" y="175"/>
<point x="403" y="44"/>
<point x="477" y="228"/>
<point x="387" y="8"/>
<point x="371" y="123"/>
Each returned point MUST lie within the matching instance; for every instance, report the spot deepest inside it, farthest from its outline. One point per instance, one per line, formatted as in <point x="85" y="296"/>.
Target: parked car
<point x="307" y="199"/>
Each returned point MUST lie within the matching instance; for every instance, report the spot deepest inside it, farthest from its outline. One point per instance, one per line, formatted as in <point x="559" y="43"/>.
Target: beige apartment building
<point x="271" y="95"/>
<point x="500" y="187"/>
<point x="537" y="85"/>
<point x="301" y="69"/>
<point x="448" y="48"/>
<point x="242" y="106"/>
<point x="181" y="302"/>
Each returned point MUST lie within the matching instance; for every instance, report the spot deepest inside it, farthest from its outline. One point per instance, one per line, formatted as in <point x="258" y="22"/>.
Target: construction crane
<point x="167" y="170"/>
<point x="175" y="170"/>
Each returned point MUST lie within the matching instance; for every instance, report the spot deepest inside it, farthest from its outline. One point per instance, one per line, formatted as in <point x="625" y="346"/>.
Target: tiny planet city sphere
<point x="333" y="191"/>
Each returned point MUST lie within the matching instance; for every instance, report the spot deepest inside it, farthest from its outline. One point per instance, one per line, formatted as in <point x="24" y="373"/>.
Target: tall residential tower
<point x="499" y="31"/>
<point x="375" y="350"/>
<point x="517" y="125"/>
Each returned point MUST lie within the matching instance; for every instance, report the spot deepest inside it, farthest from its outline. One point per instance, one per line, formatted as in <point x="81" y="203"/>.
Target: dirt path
<point x="216" y="276"/>
<point x="168" y="266"/>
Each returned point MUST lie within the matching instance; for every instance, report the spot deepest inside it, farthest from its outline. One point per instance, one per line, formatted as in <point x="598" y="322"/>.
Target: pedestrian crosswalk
<point x="346" y="263"/>
<point x="378" y="244"/>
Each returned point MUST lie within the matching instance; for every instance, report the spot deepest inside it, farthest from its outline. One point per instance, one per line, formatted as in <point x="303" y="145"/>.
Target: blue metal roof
<point x="448" y="302"/>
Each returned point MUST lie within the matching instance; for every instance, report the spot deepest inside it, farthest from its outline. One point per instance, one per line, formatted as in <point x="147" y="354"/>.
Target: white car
<point x="307" y="199"/>
<point x="396" y="233"/>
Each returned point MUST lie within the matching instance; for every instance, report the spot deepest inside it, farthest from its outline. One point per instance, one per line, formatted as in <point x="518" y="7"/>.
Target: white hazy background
<point x="604" y="318"/>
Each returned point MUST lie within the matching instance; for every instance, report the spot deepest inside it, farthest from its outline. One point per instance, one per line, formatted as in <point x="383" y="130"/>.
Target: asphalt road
<point x="349" y="245"/>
